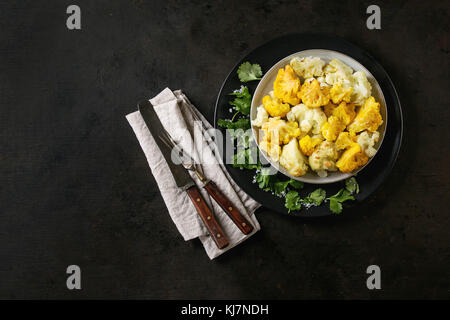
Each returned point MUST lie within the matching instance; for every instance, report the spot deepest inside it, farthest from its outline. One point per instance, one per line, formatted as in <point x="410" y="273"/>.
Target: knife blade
<point x="182" y="178"/>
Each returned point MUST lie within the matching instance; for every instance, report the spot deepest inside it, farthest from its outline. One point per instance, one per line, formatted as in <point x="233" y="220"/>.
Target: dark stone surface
<point x="76" y="188"/>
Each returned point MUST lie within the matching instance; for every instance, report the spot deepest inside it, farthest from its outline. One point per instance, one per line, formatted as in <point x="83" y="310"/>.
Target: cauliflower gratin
<point x="319" y="117"/>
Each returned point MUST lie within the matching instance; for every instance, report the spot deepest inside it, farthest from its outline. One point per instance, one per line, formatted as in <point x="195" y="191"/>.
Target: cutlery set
<point x="184" y="181"/>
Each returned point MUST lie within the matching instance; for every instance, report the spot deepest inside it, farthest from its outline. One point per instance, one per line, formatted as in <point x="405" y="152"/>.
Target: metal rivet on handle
<point x="230" y="208"/>
<point x="208" y="218"/>
<point x="218" y="235"/>
<point x="244" y="224"/>
<point x="198" y="199"/>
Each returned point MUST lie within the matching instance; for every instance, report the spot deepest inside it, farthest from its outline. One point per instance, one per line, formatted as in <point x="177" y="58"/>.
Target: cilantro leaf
<point x="243" y="124"/>
<point x="248" y="72"/>
<point x="243" y="100"/>
<point x="342" y="195"/>
<point x="244" y="159"/>
<point x="296" y="184"/>
<point x="351" y="185"/>
<point x="293" y="201"/>
<point x="263" y="179"/>
<point x="316" y="197"/>
<point x="337" y="200"/>
<point x="279" y="187"/>
<point x="335" y="206"/>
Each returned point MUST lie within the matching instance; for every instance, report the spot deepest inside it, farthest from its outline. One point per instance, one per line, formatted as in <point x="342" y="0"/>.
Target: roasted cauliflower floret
<point x="307" y="67"/>
<point x="362" y="88"/>
<point x="313" y="95"/>
<point x="308" y="144"/>
<point x="328" y="109"/>
<point x="338" y="93"/>
<point x="261" y="117"/>
<point x="287" y="86"/>
<point x="323" y="158"/>
<point x="367" y="118"/>
<point x="278" y="131"/>
<point x="352" y="159"/>
<point x="345" y="112"/>
<point x="337" y="71"/>
<point x="309" y="119"/>
<point x="332" y="128"/>
<point x="367" y="142"/>
<point x="273" y="150"/>
<point x="275" y="107"/>
<point x="344" y="141"/>
<point x="293" y="160"/>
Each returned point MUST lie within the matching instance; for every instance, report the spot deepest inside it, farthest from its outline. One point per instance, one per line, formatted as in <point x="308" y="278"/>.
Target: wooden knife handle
<point x="239" y="220"/>
<point x="205" y="213"/>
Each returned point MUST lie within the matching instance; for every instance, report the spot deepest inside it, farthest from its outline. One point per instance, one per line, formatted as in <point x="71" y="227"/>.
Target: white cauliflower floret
<point x="367" y="142"/>
<point x="293" y="160"/>
<point x="337" y="71"/>
<point x="308" y="118"/>
<point x="324" y="158"/>
<point x="307" y="67"/>
<point x="361" y="87"/>
<point x="261" y="116"/>
<point x="323" y="82"/>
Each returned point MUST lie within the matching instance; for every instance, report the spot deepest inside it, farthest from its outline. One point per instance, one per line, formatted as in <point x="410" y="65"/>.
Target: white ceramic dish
<point x="266" y="85"/>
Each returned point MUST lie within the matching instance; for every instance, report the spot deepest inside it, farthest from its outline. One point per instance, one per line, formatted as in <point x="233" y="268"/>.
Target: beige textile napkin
<point x="175" y="112"/>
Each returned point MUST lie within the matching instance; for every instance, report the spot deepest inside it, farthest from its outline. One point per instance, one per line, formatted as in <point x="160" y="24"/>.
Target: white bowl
<point x="266" y="85"/>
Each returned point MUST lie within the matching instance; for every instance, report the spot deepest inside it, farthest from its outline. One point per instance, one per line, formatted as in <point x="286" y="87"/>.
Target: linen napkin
<point x="177" y="116"/>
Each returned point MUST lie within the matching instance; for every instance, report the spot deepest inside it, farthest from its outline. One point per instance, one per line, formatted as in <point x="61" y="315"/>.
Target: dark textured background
<point x="76" y="188"/>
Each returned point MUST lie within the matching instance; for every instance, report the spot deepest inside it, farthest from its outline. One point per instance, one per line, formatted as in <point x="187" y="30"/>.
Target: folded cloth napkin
<point x="178" y="116"/>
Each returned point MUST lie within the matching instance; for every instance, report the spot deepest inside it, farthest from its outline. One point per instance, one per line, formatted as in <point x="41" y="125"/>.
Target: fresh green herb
<point x="243" y="100"/>
<point x="244" y="159"/>
<point x="293" y="201"/>
<point x="243" y="124"/>
<point x="296" y="184"/>
<point x="315" y="198"/>
<point x="279" y="187"/>
<point x="351" y="185"/>
<point x="249" y="72"/>
<point x="263" y="179"/>
<point x="335" y="206"/>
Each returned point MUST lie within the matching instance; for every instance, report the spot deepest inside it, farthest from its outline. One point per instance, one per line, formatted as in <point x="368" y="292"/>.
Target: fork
<point x="233" y="213"/>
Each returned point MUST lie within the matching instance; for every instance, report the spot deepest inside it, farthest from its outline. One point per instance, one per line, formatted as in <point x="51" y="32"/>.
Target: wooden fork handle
<point x="215" y="230"/>
<point x="239" y="220"/>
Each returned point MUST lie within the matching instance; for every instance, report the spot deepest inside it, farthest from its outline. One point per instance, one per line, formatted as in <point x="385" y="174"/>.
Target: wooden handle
<point x="205" y="213"/>
<point x="239" y="220"/>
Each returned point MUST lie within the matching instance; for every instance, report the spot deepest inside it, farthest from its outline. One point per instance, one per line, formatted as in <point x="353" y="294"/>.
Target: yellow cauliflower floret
<point x="344" y="141"/>
<point x="287" y="85"/>
<point x="279" y="131"/>
<point x="273" y="150"/>
<point x="332" y="128"/>
<point x="313" y="95"/>
<point x="328" y="109"/>
<point x="367" y="118"/>
<point x="338" y="93"/>
<point x="275" y="107"/>
<point x="345" y="112"/>
<point x="308" y="144"/>
<point x="293" y="160"/>
<point x="352" y="159"/>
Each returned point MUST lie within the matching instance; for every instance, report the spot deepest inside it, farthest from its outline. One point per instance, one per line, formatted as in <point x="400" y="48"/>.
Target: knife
<point x="182" y="178"/>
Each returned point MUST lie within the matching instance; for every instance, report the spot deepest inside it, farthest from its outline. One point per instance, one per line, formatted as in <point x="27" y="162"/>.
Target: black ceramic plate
<point x="373" y="174"/>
